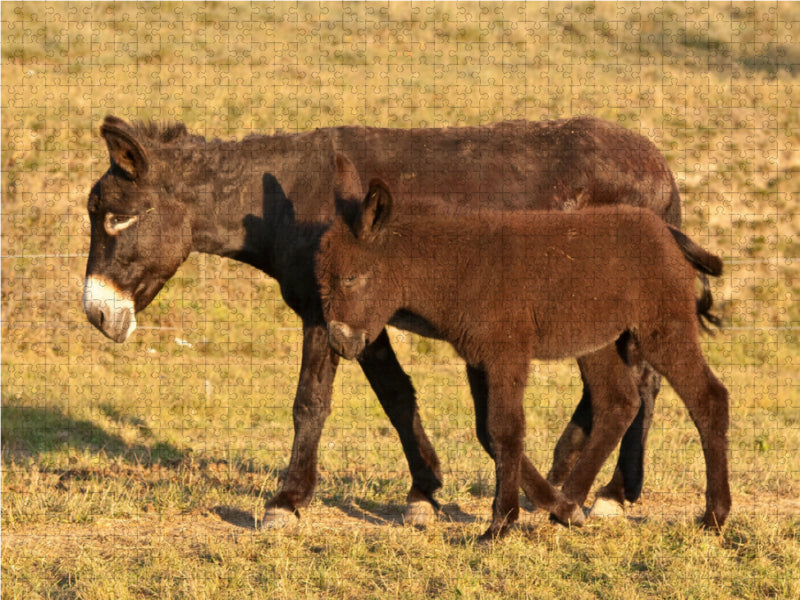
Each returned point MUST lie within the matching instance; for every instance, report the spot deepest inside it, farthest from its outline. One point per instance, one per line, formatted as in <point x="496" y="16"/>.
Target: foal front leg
<point x="537" y="489"/>
<point x="505" y="423"/>
<point x="626" y="482"/>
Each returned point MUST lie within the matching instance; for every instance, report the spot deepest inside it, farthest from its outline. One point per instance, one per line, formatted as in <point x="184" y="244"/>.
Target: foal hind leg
<point x="626" y="483"/>
<point x="682" y="363"/>
<point x="615" y="403"/>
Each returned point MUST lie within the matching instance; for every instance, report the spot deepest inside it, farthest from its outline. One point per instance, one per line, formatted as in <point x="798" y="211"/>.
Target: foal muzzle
<point x="345" y="341"/>
<point x="108" y="309"/>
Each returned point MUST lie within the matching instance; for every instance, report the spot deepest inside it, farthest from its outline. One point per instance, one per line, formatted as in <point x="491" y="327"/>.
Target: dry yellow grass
<point x="130" y="471"/>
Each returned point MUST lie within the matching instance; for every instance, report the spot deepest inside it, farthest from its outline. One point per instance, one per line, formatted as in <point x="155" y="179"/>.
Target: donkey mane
<point x="177" y="133"/>
<point x="162" y="132"/>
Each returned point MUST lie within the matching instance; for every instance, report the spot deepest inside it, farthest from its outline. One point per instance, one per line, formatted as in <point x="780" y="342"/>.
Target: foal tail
<point x="705" y="264"/>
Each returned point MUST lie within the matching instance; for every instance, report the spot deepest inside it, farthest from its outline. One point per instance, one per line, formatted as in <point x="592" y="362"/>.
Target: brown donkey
<point x="504" y="288"/>
<point x="267" y="199"/>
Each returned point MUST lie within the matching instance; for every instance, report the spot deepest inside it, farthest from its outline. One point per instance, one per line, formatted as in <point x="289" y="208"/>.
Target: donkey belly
<point x="572" y="331"/>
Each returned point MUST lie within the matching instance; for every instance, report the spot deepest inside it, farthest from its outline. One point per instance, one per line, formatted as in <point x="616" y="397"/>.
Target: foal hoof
<point x="570" y="518"/>
<point x="492" y="535"/>
<point x="419" y="513"/>
<point x="605" y="508"/>
<point x="276" y="517"/>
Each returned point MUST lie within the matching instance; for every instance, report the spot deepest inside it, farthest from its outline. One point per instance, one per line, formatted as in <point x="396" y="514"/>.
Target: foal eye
<point x="115" y="223"/>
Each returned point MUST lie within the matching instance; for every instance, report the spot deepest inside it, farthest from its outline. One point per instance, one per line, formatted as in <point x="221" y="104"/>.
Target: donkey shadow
<point x="381" y="515"/>
<point x="30" y="432"/>
<point x="35" y="430"/>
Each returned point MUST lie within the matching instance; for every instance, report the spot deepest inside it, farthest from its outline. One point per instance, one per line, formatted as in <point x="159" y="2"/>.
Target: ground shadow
<point x="452" y="512"/>
<point x="29" y="431"/>
<point x="236" y="516"/>
<point x="371" y="512"/>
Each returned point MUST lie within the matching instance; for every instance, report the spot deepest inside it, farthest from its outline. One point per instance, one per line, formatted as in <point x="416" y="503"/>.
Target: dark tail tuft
<point x="704" y="303"/>
<point x="700" y="258"/>
<point x="705" y="264"/>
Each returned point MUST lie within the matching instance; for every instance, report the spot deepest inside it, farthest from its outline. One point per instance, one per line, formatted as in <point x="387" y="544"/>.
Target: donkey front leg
<point x="312" y="405"/>
<point x="505" y="422"/>
<point x="398" y="398"/>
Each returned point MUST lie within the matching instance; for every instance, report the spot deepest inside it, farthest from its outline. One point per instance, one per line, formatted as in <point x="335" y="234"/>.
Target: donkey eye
<point x="115" y="223"/>
<point x="348" y="281"/>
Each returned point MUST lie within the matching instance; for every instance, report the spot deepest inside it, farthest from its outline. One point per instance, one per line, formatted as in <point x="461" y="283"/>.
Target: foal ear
<point x="375" y="211"/>
<point x="125" y="150"/>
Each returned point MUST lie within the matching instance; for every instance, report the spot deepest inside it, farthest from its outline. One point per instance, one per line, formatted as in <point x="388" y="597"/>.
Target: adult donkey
<point x="266" y="200"/>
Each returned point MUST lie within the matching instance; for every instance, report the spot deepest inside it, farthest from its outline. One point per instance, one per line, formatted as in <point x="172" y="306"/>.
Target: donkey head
<point x="354" y="276"/>
<point x="140" y="235"/>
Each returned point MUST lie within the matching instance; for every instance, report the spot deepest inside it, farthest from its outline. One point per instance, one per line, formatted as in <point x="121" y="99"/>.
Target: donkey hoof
<point x="712" y="522"/>
<point x="578" y="517"/>
<point x="419" y="513"/>
<point x="606" y="507"/>
<point x="276" y="517"/>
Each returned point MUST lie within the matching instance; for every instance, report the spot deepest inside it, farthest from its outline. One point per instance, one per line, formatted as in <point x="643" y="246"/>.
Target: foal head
<point x="353" y="274"/>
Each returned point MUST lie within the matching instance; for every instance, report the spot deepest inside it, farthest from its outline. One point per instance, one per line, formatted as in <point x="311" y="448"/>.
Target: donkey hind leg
<point x="626" y="483"/>
<point x="684" y="366"/>
<point x="312" y="405"/>
<point x="538" y="490"/>
<point x="615" y="403"/>
<point x="505" y="424"/>
<point x="398" y="398"/>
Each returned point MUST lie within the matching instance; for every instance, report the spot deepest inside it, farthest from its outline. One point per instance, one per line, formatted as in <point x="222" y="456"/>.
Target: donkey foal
<point x="505" y="288"/>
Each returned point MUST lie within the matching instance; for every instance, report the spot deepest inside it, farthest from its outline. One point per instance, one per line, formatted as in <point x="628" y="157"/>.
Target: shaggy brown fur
<point x="505" y="288"/>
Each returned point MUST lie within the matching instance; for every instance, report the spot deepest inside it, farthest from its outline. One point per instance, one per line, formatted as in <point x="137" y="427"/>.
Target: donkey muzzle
<point x="108" y="309"/>
<point x="345" y="341"/>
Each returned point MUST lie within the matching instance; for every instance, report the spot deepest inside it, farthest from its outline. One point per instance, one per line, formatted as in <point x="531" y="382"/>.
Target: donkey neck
<point x="261" y="200"/>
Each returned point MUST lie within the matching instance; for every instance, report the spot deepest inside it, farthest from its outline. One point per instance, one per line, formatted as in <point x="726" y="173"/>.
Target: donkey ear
<point x="125" y="150"/>
<point x="346" y="182"/>
<point x="375" y="211"/>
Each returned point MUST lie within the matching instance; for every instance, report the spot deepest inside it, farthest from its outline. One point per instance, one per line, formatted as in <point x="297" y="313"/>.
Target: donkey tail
<point x="704" y="303"/>
<point x="700" y="258"/>
<point x="705" y="264"/>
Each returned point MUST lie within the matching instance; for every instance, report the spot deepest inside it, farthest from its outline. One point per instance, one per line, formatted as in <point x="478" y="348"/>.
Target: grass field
<point x="134" y="470"/>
